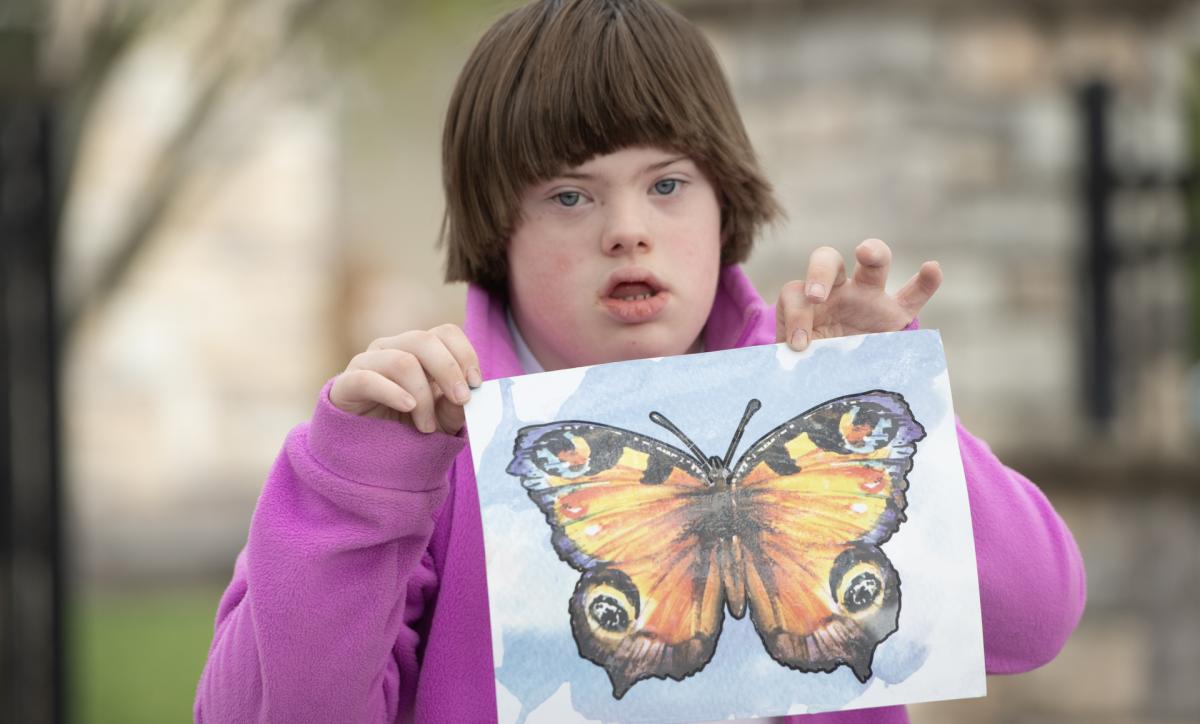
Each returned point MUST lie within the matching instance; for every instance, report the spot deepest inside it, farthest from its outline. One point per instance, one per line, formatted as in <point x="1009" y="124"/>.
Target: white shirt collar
<point x="529" y="363"/>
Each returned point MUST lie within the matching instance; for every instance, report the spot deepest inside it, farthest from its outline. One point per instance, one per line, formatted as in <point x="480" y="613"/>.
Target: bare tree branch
<point x="222" y="61"/>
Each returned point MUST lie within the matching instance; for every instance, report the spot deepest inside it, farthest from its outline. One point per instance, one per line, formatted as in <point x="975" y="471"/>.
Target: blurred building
<point x="255" y="195"/>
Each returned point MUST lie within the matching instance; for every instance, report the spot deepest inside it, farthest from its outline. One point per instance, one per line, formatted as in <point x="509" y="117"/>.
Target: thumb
<point x="450" y="415"/>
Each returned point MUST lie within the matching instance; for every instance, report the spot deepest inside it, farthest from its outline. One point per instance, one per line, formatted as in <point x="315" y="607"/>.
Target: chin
<point x="642" y="346"/>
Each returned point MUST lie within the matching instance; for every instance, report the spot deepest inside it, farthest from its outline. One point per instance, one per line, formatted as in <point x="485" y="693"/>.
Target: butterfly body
<point x="667" y="541"/>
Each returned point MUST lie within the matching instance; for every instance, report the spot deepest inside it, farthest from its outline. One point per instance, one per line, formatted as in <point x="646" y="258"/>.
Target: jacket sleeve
<point x="1032" y="585"/>
<point x="321" y="621"/>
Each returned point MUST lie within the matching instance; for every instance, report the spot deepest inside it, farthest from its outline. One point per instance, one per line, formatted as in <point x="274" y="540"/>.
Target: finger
<point x="405" y="369"/>
<point x="436" y="359"/>
<point x="358" y="386"/>
<point x="874" y="260"/>
<point x="826" y="270"/>
<point x="464" y="353"/>
<point x="451" y="417"/>
<point x="439" y="365"/>
<point x="917" y="291"/>
<point x="794" y="316"/>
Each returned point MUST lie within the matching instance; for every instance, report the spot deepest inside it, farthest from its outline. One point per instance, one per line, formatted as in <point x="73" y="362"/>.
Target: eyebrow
<point x="652" y="167"/>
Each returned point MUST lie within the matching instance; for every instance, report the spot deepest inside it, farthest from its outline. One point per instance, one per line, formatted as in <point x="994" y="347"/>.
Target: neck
<point x="537" y="358"/>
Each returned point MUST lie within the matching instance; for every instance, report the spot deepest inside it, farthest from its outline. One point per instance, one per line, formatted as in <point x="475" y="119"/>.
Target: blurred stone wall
<point x="951" y="130"/>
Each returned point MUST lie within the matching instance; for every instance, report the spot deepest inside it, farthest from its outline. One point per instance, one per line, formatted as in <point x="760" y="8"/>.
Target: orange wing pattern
<point x="624" y="510"/>
<point x="821" y="492"/>
<point x="666" y="541"/>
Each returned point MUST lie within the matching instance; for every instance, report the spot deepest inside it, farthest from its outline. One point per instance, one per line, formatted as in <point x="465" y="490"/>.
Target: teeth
<point x="636" y="297"/>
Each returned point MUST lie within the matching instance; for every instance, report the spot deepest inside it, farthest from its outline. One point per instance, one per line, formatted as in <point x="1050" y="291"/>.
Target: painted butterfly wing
<point x="820" y="493"/>
<point x="625" y="510"/>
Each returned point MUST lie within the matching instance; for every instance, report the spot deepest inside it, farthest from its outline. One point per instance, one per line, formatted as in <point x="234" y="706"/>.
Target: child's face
<point x="616" y="259"/>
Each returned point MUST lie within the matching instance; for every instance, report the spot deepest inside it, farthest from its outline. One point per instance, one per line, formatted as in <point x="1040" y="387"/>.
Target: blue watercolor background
<point x="705" y="395"/>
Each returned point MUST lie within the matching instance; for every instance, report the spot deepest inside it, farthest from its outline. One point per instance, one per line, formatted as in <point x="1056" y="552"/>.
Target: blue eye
<point x="666" y="186"/>
<point x="568" y="198"/>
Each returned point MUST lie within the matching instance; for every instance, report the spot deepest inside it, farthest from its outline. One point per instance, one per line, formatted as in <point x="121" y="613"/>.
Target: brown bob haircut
<point x="557" y="82"/>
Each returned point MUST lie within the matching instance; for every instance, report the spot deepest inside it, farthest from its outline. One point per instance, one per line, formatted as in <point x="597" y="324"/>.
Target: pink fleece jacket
<point x="360" y="595"/>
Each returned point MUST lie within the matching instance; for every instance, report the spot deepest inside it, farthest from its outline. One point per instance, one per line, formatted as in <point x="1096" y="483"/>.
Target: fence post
<point x="31" y="609"/>
<point x="1097" y="270"/>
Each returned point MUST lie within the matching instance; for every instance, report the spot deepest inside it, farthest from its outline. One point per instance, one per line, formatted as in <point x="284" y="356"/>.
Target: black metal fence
<point x="1131" y="319"/>
<point x="31" y="570"/>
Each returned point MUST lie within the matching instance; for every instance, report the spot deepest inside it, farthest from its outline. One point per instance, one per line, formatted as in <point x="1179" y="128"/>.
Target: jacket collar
<point x="739" y="318"/>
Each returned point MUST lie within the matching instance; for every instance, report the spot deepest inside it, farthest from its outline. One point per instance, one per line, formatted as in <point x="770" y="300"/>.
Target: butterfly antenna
<point x="751" y="407"/>
<point x="657" y="418"/>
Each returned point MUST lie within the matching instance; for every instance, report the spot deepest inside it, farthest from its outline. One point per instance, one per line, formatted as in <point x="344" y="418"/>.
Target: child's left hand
<point x="827" y="304"/>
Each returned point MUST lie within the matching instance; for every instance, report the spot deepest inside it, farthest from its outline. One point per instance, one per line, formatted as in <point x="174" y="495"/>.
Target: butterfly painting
<point x="667" y="540"/>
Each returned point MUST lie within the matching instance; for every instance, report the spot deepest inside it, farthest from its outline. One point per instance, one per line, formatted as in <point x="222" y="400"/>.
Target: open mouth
<point x="632" y="291"/>
<point x="632" y="283"/>
<point x="634" y="295"/>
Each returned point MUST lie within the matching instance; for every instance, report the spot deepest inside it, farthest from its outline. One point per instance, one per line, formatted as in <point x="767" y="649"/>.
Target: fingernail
<point x="410" y="403"/>
<point x="474" y="377"/>
<point x="462" y="393"/>
<point x="816" y="290"/>
<point x="426" y="426"/>
<point x="799" y="340"/>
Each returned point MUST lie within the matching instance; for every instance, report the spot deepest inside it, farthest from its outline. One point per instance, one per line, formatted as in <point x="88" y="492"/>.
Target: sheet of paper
<point x="645" y="571"/>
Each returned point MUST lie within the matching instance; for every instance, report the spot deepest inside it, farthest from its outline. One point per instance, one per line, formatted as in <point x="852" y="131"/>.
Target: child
<point x="600" y="192"/>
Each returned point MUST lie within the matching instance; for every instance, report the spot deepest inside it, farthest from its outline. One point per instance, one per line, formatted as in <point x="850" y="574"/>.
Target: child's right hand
<point x="421" y="378"/>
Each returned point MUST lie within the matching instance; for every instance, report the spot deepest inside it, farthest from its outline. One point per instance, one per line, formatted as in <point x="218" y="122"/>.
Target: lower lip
<point x="635" y="310"/>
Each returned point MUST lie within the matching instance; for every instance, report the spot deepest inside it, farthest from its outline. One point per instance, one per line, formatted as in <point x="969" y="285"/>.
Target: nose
<point x="627" y="228"/>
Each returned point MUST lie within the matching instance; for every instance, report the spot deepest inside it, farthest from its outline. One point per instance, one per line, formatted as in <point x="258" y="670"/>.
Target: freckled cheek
<point x="554" y="271"/>
<point x="700" y="246"/>
<point x="562" y="264"/>
<point x="550" y="278"/>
